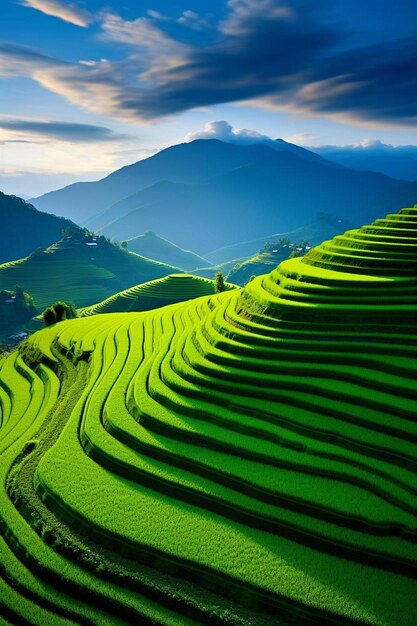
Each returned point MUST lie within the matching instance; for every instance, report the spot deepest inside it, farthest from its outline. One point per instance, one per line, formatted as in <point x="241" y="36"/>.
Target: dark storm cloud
<point x="373" y="83"/>
<point x="286" y="55"/>
<point x="65" y="131"/>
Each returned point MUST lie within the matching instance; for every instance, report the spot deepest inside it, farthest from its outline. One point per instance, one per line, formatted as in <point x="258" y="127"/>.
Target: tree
<point x="219" y="284"/>
<point x="49" y="316"/>
<point x="59" y="311"/>
<point x="124" y="245"/>
<point x="293" y="254"/>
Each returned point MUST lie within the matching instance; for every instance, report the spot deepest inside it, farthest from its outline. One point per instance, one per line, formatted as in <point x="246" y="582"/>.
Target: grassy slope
<point x="71" y="270"/>
<point x="156" y="293"/>
<point x="154" y="247"/>
<point x="253" y="453"/>
<point x="260" y="263"/>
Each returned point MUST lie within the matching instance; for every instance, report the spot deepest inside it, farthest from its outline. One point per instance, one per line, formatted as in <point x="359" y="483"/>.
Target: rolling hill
<point x="24" y="228"/>
<point x="156" y="293"/>
<point x="80" y="269"/>
<point x="248" y="458"/>
<point x="226" y="194"/>
<point x="154" y="247"/>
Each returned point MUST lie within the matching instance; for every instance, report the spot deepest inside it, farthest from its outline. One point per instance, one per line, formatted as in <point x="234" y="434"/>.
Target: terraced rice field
<point x="78" y="273"/>
<point x="244" y="458"/>
<point x="156" y="293"/>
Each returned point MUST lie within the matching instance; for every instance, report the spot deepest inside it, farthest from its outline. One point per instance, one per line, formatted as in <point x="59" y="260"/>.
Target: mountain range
<point x="396" y="161"/>
<point x="208" y="194"/>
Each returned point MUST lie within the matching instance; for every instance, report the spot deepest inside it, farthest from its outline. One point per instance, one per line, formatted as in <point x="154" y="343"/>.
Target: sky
<point x="87" y="87"/>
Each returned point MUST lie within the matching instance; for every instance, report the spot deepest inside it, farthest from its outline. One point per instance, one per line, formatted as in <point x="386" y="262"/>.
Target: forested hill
<point x="24" y="228"/>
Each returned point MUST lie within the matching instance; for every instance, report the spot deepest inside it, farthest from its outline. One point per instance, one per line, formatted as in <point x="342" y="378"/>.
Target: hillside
<point x="16" y="309"/>
<point x="154" y="247"/>
<point x="225" y="194"/>
<point x="23" y="228"/>
<point x="247" y="458"/>
<point x="156" y="293"/>
<point x="323" y="226"/>
<point x="265" y="260"/>
<point x="80" y="269"/>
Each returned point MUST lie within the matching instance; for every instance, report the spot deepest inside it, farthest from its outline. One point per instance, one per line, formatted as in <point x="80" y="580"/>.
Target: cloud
<point x="223" y="131"/>
<point x="303" y="139"/>
<point x="66" y="11"/>
<point x="21" y="61"/>
<point x="193" y="20"/>
<point x="279" y="54"/>
<point x="63" y="131"/>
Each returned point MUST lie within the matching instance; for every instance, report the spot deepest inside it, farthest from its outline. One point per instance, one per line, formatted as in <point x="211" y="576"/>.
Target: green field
<point x="156" y="293"/>
<point x="243" y="458"/>
<point x="82" y="270"/>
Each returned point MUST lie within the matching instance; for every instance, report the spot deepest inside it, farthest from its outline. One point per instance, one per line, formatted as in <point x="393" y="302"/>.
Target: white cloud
<point x="193" y="20"/>
<point x="243" y="12"/>
<point x="303" y="139"/>
<point x="66" y="11"/>
<point x="223" y="131"/>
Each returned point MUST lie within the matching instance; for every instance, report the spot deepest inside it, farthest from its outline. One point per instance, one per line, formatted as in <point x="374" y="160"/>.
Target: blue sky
<point x="87" y="87"/>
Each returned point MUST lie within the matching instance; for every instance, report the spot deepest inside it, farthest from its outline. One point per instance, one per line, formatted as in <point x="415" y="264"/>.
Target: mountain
<point x="209" y="194"/>
<point x="154" y="247"/>
<point x="396" y="161"/>
<point x="245" y="458"/>
<point x="184" y="163"/>
<point x="80" y="269"/>
<point x="24" y="228"/>
<point x="276" y="190"/>
<point x="156" y="293"/>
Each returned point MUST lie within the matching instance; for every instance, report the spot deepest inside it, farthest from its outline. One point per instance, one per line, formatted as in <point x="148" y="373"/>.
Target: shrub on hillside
<point x="49" y="316"/>
<point x="58" y="312"/>
<point x="219" y="284"/>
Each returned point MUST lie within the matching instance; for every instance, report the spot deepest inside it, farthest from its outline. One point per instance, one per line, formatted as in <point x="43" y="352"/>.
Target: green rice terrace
<point x="156" y="293"/>
<point x="81" y="268"/>
<point x="246" y="458"/>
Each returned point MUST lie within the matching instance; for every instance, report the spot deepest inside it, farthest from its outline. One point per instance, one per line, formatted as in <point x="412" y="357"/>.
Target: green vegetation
<point x="156" y="293"/>
<point x="80" y="268"/>
<point x="154" y="247"/>
<point x="268" y="257"/>
<point x="244" y="458"/>
<point x="219" y="284"/>
<point x="16" y="309"/>
<point x="323" y="226"/>
<point x="59" y="312"/>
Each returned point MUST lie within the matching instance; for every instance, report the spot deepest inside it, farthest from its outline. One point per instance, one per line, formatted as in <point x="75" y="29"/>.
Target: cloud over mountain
<point x="223" y="131"/>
